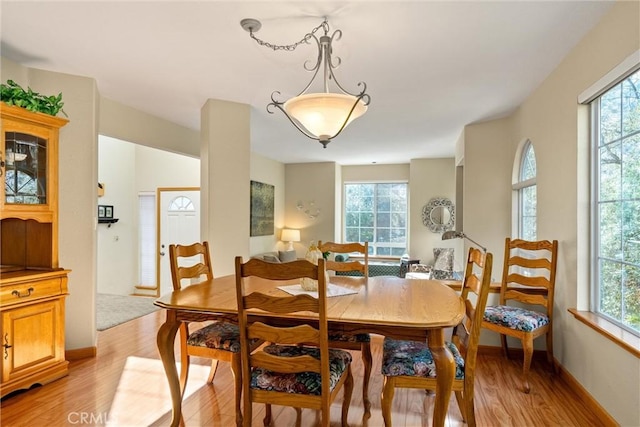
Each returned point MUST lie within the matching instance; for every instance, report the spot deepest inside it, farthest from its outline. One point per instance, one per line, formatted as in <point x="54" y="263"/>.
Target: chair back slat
<point x="531" y="281"/>
<point x="281" y="305"/>
<point x="530" y="262"/>
<point x="346" y="266"/>
<point x="195" y="272"/>
<point x="284" y="271"/>
<point x="344" y="248"/>
<point x="527" y="298"/>
<point x="290" y="365"/>
<point x="474" y="284"/>
<point x="292" y="335"/>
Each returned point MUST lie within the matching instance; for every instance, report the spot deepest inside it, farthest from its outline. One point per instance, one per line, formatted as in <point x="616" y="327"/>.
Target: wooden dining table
<point x="399" y="308"/>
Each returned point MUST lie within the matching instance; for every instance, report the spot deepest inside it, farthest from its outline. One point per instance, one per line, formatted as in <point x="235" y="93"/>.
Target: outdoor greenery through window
<point x="616" y="239"/>
<point x="527" y="193"/>
<point x="377" y="213"/>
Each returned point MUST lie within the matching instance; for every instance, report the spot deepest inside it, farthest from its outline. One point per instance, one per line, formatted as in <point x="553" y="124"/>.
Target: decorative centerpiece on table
<point x="313" y="255"/>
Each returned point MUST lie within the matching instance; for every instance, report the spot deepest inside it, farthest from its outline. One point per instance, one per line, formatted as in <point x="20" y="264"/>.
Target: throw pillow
<point x="341" y="257"/>
<point x="443" y="259"/>
<point x="271" y="258"/>
<point x="287" y="256"/>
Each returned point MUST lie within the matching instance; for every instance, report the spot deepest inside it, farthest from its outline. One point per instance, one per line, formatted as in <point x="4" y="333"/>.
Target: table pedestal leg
<point x="445" y="372"/>
<point x="165" y="340"/>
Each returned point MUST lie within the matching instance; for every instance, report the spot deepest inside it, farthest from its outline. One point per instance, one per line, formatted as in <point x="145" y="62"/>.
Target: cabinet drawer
<point x="18" y="293"/>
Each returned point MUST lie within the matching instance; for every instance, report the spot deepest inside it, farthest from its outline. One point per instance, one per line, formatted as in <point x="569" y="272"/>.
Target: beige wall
<point x="488" y="161"/>
<point x="310" y="182"/>
<point x="225" y="171"/>
<point x="430" y="178"/>
<point x="269" y="172"/>
<point x="376" y="173"/>
<point x="558" y="129"/>
<point x="117" y="248"/>
<point x="128" y="124"/>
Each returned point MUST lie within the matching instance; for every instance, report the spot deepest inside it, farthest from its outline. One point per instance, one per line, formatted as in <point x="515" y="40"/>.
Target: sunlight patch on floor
<point x="143" y="393"/>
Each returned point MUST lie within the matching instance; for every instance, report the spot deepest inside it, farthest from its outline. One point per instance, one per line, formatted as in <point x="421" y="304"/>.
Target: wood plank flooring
<point x="125" y="386"/>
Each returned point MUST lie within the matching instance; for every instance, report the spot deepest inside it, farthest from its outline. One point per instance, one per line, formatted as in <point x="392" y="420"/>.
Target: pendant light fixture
<point x="320" y="116"/>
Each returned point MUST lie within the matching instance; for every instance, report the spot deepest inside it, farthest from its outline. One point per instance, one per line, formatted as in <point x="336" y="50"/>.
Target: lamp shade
<point x="289" y="235"/>
<point x="323" y="114"/>
<point x="451" y="234"/>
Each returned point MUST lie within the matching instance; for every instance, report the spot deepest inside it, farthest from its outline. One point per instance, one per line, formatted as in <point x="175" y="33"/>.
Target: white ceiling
<point x="430" y="67"/>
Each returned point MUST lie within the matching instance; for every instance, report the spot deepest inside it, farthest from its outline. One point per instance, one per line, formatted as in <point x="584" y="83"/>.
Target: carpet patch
<point x="113" y="310"/>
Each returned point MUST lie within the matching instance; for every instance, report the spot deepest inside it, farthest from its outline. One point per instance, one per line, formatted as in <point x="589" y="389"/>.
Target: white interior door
<point x="179" y="212"/>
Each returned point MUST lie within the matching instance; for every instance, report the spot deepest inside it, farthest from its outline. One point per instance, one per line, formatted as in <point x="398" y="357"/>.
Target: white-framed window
<point x="615" y="180"/>
<point x="377" y="213"/>
<point x="147" y="238"/>
<point x="526" y="192"/>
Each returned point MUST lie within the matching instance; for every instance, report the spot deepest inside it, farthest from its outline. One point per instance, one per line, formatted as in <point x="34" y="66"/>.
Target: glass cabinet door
<point x="25" y="174"/>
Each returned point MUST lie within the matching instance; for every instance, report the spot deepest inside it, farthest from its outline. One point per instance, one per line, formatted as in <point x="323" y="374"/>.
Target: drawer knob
<point x="19" y="295"/>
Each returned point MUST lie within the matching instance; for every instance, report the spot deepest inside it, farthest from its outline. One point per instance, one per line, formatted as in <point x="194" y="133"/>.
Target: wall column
<point x="225" y="174"/>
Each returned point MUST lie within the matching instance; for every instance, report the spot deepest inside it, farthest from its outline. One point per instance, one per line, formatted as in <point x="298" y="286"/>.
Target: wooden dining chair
<point x="347" y="248"/>
<point x="528" y="278"/>
<point x="217" y="341"/>
<point x="410" y="364"/>
<point x="287" y="371"/>
<point x="345" y="341"/>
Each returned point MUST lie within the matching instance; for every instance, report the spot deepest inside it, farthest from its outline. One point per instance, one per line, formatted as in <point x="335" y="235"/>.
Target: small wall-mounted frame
<point x="105" y="212"/>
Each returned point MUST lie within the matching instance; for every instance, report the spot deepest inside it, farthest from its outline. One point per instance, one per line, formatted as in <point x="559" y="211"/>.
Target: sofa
<point x="376" y="268"/>
<point x="277" y="256"/>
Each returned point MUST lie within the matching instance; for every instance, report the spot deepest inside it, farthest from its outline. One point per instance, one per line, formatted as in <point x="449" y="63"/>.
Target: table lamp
<point x="451" y="234"/>
<point x="289" y="235"/>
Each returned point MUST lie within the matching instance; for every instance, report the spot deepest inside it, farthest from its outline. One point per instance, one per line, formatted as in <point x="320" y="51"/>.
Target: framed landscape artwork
<point x="262" y="209"/>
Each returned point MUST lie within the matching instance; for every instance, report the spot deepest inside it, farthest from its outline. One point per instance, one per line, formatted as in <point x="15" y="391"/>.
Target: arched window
<point x="525" y="188"/>
<point x="181" y="203"/>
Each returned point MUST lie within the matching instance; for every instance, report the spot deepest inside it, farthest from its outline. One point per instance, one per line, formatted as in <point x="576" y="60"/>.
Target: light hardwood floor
<point x="125" y="386"/>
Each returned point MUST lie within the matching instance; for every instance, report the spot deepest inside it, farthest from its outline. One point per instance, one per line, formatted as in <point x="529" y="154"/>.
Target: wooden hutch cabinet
<point x="32" y="285"/>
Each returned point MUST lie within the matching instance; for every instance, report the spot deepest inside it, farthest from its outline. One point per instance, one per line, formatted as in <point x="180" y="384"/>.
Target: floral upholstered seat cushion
<point x="345" y="337"/>
<point x="303" y="382"/>
<point x="420" y="268"/>
<point x="515" y="318"/>
<point x="414" y="359"/>
<point x="218" y="335"/>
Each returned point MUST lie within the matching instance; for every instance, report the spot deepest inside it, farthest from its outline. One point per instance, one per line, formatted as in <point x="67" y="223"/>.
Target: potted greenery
<point x="13" y="94"/>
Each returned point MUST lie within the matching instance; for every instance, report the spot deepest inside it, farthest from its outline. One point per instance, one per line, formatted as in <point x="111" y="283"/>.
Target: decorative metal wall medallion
<point x="439" y="215"/>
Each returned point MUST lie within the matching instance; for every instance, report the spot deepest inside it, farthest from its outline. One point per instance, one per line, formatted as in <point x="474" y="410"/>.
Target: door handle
<point x="161" y="253"/>
<point x="6" y="346"/>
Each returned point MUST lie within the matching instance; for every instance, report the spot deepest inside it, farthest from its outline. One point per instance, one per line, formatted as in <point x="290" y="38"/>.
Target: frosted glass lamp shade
<point x="289" y="235"/>
<point x="323" y="114"/>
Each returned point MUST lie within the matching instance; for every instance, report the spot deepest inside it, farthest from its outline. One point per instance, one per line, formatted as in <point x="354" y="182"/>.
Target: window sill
<point x="621" y="337"/>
